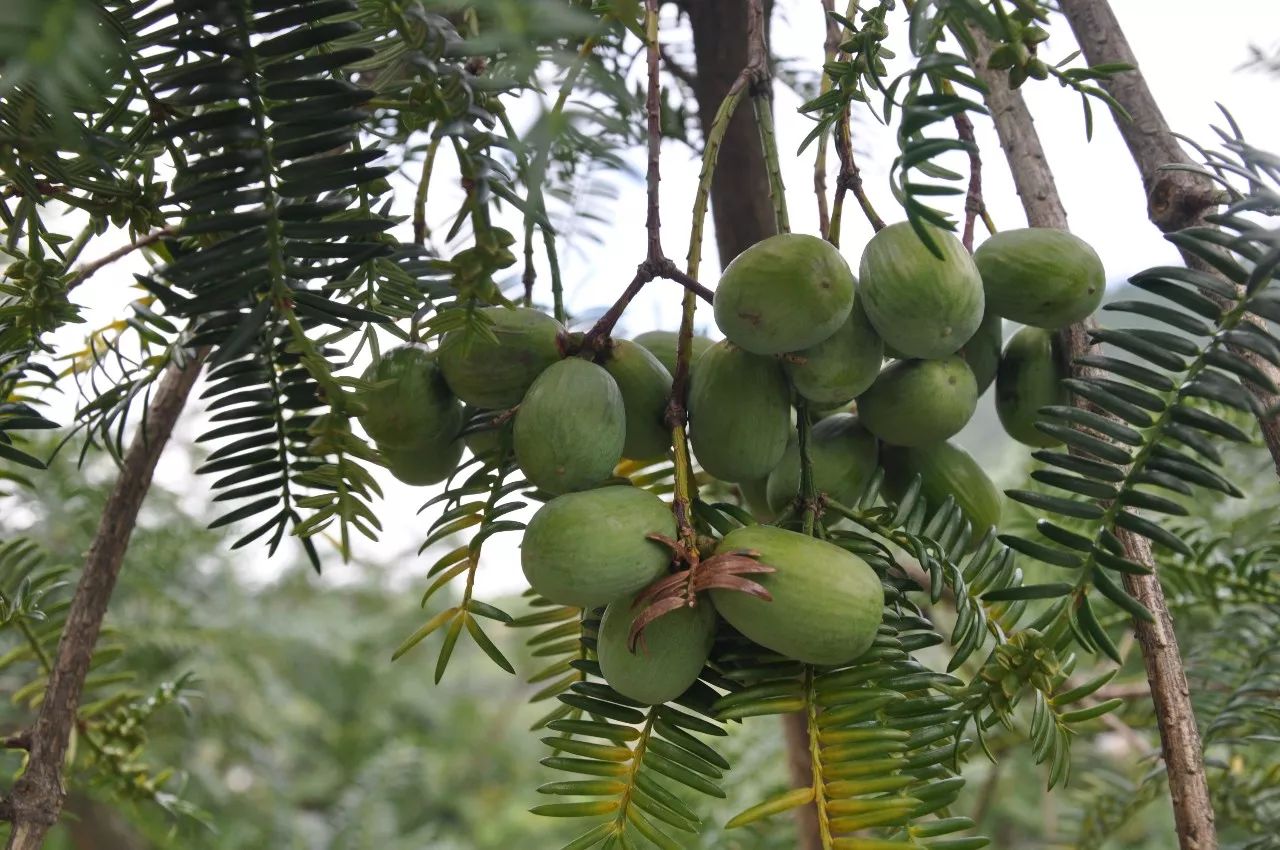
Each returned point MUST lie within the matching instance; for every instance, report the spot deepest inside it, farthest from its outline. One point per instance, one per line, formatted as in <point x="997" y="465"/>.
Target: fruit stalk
<point x="1180" y="739"/>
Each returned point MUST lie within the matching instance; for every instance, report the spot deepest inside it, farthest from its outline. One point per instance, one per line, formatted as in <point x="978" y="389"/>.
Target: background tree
<point x="254" y="152"/>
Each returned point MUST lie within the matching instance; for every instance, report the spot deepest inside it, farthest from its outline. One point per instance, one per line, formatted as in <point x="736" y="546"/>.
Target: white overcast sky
<point x="1191" y="56"/>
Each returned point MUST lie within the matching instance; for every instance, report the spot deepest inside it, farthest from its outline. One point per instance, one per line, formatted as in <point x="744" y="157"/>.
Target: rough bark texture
<point x="743" y="215"/>
<point x="1179" y="737"/>
<point x="1175" y="199"/>
<point x="38" y="796"/>
<point x="740" y="205"/>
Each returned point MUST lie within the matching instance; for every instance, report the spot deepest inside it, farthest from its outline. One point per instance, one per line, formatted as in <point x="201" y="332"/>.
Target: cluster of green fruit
<point x="798" y="327"/>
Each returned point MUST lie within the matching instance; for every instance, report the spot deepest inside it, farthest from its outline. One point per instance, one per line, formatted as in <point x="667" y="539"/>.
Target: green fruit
<point x="672" y="651"/>
<point x="1032" y="369"/>
<point x="570" y="427"/>
<point x="915" y="402"/>
<point x="645" y="385"/>
<point x="827" y="603"/>
<point x="945" y="470"/>
<point x="843" y="455"/>
<point x="982" y="351"/>
<point x="755" y="498"/>
<point x="663" y="346"/>
<point x="496" y="375"/>
<point x="588" y="549"/>
<point x="1041" y="276"/>
<point x="784" y="293"/>
<point x="841" y="366"/>
<point x="411" y="404"/>
<point x="739" y="413"/>
<point x="422" y="464"/>
<point x="920" y="305"/>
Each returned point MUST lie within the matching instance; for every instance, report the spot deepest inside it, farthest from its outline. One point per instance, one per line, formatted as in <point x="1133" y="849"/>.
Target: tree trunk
<point x="743" y="215"/>
<point x="1179" y="737"/>
<point x="38" y="796"/>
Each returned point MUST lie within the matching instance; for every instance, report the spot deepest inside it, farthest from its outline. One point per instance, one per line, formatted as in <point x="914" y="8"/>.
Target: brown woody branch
<point x="1180" y="739"/>
<point x="38" y="796"/>
<point x="1175" y="198"/>
<point x="88" y="270"/>
<point x="974" y="206"/>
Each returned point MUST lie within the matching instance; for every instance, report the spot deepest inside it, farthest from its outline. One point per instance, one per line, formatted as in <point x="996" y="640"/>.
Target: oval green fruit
<point x="784" y="293"/>
<point x="920" y="304"/>
<point x="916" y="402"/>
<point x="411" y="404"/>
<point x="672" y="652"/>
<point x="841" y="366"/>
<point x="496" y="375"/>
<point x="1032" y="369"/>
<point x="662" y="344"/>
<point x="1041" y="276"/>
<point x="588" y="549"/>
<point x="739" y="413"/>
<point x="570" y="428"/>
<point x="645" y="385"/>
<point x="945" y="470"/>
<point x="982" y="351"/>
<point x="827" y="602"/>
<point x="423" y="463"/>
<point x="843" y="454"/>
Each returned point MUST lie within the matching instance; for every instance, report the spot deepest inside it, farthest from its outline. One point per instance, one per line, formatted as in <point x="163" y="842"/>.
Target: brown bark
<point x="1175" y="199"/>
<point x="740" y="205"/>
<point x="743" y="215"/>
<point x="38" y="796"/>
<point x="1179" y="737"/>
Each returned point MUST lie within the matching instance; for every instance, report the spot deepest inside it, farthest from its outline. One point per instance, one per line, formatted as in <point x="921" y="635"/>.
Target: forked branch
<point x="1180" y="739"/>
<point x="1176" y="198"/>
<point x="37" y="798"/>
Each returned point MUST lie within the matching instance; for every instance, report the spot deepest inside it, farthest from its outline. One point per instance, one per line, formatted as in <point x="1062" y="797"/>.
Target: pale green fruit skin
<point x="739" y="413"/>
<point x="645" y="385"/>
<point x="917" y="402"/>
<point x="570" y="427"/>
<point x="588" y="549"/>
<point x="784" y="293"/>
<point x="843" y="454"/>
<point x="672" y="652"/>
<point x="1041" y="276"/>
<point x="921" y="306"/>
<point x="496" y="377"/>
<point x="1030" y="377"/>
<point x="662" y="344"/>
<point x="982" y="351"/>
<point x="423" y="464"/>
<point x="416" y="407"/>
<point x="841" y="366"/>
<point x="945" y="469"/>
<point x="827" y="602"/>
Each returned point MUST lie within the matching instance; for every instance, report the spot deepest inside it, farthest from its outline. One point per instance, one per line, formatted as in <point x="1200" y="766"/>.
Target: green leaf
<point x="1028" y="591"/>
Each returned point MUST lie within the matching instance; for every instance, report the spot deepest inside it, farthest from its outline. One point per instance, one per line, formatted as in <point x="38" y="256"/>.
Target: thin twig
<point x="17" y="741"/>
<point x="88" y="270"/>
<point x="829" y="47"/>
<point x="38" y="795"/>
<point x="653" y="115"/>
<point x="974" y="206"/>
<point x="1180" y="739"/>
